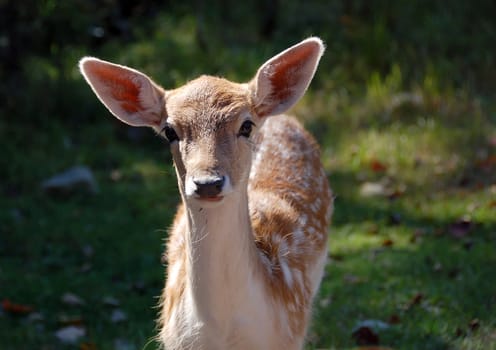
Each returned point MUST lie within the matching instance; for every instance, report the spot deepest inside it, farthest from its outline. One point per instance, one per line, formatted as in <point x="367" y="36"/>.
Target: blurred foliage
<point x="41" y="41"/>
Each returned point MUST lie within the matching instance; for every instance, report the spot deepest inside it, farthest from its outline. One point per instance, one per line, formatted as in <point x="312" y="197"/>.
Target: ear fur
<point x="128" y="94"/>
<point x="281" y="81"/>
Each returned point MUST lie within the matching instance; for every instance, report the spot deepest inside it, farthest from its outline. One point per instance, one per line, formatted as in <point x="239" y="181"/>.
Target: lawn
<point x="406" y="118"/>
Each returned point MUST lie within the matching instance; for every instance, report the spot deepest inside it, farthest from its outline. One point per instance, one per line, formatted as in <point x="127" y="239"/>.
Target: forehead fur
<point x="206" y="101"/>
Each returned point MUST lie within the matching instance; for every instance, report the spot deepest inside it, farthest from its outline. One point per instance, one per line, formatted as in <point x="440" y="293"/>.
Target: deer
<point x="247" y="248"/>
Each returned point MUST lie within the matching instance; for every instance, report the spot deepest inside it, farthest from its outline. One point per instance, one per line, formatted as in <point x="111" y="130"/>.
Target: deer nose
<point x="209" y="187"/>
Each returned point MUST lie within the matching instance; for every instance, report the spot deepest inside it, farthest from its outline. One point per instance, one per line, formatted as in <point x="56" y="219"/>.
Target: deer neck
<point x="221" y="257"/>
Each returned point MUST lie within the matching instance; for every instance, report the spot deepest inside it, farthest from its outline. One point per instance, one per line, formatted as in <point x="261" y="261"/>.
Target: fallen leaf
<point x="415" y="300"/>
<point x="365" y="336"/>
<point x="86" y="267"/>
<point x="372" y="189"/>
<point x="375" y="325"/>
<point x="71" y="321"/>
<point x="118" y="316"/>
<point x="87" y="251"/>
<point x="115" y="175"/>
<point x="417" y="235"/>
<point x="352" y="279"/>
<point x="72" y="299"/>
<point x="324" y="302"/>
<point x="394" y="319"/>
<point x="373" y="229"/>
<point x="459" y="332"/>
<point x="16" y="309"/>
<point x="123" y="344"/>
<point x="461" y="228"/>
<point x="492" y="141"/>
<point x="377" y="166"/>
<point x="87" y="346"/>
<point x="70" y="334"/>
<point x="395" y="194"/>
<point x="395" y="219"/>
<point x="110" y="301"/>
<point x="387" y="242"/>
<point x="438" y="267"/>
<point x="487" y="163"/>
<point x="474" y="324"/>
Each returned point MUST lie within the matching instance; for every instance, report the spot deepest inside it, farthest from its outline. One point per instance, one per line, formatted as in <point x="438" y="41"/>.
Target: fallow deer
<point x="248" y="244"/>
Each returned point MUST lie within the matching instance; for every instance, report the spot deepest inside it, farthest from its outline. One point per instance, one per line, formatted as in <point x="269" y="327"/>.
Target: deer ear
<point x="281" y="81"/>
<point x="128" y="94"/>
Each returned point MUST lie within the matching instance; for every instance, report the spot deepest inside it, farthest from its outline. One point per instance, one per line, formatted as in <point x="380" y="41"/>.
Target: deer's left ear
<point x="282" y="80"/>
<point x="128" y="94"/>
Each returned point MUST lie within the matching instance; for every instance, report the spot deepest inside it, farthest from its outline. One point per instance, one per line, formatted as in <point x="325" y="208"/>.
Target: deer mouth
<point x="211" y="198"/>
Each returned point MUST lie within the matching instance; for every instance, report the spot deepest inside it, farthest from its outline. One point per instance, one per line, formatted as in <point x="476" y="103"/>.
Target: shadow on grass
<point x="392" y="264"/>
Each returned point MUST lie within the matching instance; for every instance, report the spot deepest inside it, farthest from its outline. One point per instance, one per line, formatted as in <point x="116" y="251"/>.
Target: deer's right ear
<point x="128" y="94"/>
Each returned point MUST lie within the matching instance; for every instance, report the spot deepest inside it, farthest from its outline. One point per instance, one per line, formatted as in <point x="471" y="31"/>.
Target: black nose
<point x="209" y="187"/>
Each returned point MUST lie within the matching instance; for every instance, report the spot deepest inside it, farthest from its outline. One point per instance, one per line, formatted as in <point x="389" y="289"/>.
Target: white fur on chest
<point x="225" y="303"/>
<point x="253" y="324"/>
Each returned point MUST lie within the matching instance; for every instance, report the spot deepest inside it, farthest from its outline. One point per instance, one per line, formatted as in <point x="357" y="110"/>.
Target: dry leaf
<point x="71" y="321"/>
<point x="372" y="189"/>
<point x="15" y="309"/>
<point x="474" y="324"/>
<point x="376" y="325"/>
<point x="387" y="242"/>
<point x="487" y="163"/>
<point x="87" y="346"/>
<point x="110" y="301"/>
<point x="415" y="300"/>
<point x="118" y="316"/>
<point x="377" y="166"/>
<point x="352" y="279"/>
<point x="394" y="319"/>
<point x="395" y="219"/>
<point x="324" y="302"/>
<point x="87" y="251"/>
<point x="123" y="344"/>
<point x="461" y="228"/>
<point x="365" y="336"/>
<point x="72" y="299"/>
<point x="70" y="334"/>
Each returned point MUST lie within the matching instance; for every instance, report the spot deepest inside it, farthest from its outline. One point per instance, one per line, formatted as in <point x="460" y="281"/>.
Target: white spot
<point x="266" y="261"/>
<point x="311" y="230"/>
<point x="298" y="236"/>
<point x="286" y="271"/>
<point x="302" y="220"/>
<point x="315" y="207"/>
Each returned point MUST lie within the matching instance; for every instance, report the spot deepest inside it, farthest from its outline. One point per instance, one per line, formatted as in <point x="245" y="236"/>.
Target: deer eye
<point x="246" y="128"/>
<point x="170" y="134"/>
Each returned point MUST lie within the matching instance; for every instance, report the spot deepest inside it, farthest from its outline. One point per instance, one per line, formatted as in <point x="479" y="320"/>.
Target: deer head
<point x="209" y="122"/>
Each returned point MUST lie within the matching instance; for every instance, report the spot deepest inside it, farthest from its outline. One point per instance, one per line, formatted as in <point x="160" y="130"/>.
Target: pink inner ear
<point x="288" y="71"/>
<point x="121" y="87"/>
<point x="286" y="74"/>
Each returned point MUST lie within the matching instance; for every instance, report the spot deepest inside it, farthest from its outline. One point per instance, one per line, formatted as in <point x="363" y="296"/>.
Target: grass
<point x="401" y="256"/>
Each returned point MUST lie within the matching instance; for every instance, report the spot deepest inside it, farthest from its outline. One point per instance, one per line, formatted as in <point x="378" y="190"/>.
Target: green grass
<point x="394" y="254"/>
